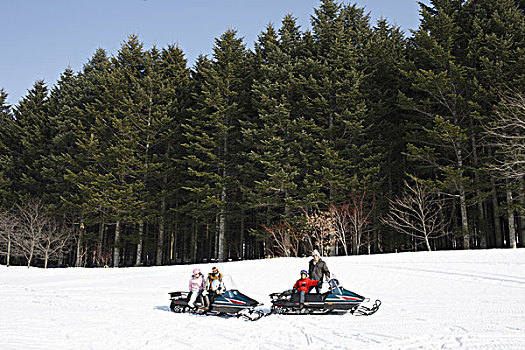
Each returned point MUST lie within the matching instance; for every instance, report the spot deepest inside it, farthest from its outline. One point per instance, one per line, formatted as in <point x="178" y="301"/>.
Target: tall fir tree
<point x="439" y="81"/>
<point x="31" y="133"/>
<point x="6" y="159"/>
<point x="213" y="134"/>
<point x="278" y="138"/>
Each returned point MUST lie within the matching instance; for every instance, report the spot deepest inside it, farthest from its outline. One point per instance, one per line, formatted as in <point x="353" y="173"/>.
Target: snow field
<point x="436" y="300"/>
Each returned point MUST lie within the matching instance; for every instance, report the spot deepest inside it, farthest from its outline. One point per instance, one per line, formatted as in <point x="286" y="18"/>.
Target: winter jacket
<point x="197" y="283"/>
<point x="214" y="282"/>
<point x="318" y="270"/>
<point x="304" y="284"/>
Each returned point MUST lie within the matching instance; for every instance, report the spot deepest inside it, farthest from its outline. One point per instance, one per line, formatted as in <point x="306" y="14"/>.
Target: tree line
<point x="349" y="137"/>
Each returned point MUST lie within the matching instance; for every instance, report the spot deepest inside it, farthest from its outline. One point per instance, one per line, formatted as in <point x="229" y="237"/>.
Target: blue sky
<point x="43" y="37"/>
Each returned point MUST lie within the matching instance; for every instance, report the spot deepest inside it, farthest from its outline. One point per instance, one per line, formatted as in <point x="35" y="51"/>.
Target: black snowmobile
<point x="230" y="303"/>
<point x="335" y="300"/>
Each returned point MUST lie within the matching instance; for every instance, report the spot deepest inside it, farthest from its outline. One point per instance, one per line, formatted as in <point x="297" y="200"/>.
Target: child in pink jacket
<point x="196" y="286"/>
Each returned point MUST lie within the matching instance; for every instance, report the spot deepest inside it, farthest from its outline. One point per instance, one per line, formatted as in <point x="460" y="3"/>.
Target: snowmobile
<point x="230" y="302"/>
<point x="335" y="300"/>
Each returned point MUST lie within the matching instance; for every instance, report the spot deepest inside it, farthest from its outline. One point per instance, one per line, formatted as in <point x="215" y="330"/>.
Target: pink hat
<point x="196" y="271"/>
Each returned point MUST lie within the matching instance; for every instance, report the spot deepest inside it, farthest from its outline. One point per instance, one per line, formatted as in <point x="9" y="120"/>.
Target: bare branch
<point x="417" y="213"/>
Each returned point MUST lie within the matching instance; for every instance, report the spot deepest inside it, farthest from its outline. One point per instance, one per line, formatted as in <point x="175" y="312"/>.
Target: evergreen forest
<point x="349" y="137"/>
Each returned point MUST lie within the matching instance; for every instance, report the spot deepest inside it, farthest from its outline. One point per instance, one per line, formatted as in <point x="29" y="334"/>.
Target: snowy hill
<point x="447" y="300"/>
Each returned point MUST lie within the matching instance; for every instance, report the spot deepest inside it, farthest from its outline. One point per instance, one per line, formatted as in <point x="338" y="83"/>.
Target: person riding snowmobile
<point x="196" y="286"/>
<point x="214" y="282"/>
<point x="303" y="285"/>
<point x="318" y="270"/>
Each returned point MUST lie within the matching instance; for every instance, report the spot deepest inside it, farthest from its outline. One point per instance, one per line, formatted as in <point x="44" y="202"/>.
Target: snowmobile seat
<point x="313" y="297"/>
<point x="309" y="297"/>
<point x="177" y="294"/>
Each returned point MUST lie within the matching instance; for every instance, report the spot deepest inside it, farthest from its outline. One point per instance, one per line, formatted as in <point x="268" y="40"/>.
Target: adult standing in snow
<point x="196" y="286"/>
<point x="303" y="285"/>
<point x="318" y="270"/>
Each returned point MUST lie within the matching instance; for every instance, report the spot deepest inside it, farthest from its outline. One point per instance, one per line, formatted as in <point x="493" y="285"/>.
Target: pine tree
<point x="171" y="100"/>
<point x="213" y="133"/>
<point x="64" y="104"/>
<point x="385" y="57"/>
<point x="31" y="135"/>
<point x="6" y="160"/>
<point x="277" y="138"/>
<point x="336" y="103"/>
<point x="493" y="34"/>
<point x="439" y="79"/>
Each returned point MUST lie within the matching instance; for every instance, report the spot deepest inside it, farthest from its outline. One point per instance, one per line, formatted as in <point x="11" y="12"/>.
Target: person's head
<point x="316" y="255"/>
<point x="196" y="272"/>
<point x="214" y="271"/>
<point x="304" y="274"/>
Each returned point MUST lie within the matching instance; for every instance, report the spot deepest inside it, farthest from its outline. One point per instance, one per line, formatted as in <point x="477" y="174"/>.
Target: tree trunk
<point x="31" y="252"/>
<point x="241" y="237"/>
<point x="193" y="242"/>
<point x="78" y="262"/>
<point x="46" y="256"/>
<point x="100" y="241"/>
<point x="116" y="248"/>
<point x="8" y="248"/>
<point x="222" y="225"/>
<point x="355" y="241"/>
<point x="287" y="234"/>
<point x="521" y="233"/>
<point x="160" y="238"/>
<point x="498" y="232"/>
<point x="510" y="217"/>
<point x="481" y="226"/>
<point x="464" y="218"/>
<point x="138" y="260"/>
<point x="172" y="243"/>
<point x="479" y="202"/>
<point x="463" y="205"/>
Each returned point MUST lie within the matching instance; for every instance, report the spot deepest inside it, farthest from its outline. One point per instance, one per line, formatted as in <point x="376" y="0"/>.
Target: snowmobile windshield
<point x="334" y="286"/>
<point x="228" y="283"/>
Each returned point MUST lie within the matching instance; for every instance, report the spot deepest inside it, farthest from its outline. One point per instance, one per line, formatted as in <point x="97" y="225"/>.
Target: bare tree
<point x="286" y="239"/>
<point x="320" y="231"/>
<point x="8" y="224"/>
<point x="359" y="212"/>
<point x="417" y="213"/>
<point x="507" y="132"/>
<point x="32" y="228"/>
<point x="340" y="220"/>
<point x="55" y="239"/>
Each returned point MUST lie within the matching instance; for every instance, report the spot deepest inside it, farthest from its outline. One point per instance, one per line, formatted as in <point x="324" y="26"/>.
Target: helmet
<point x="196" y="271"/>
<point x="305" y="272"/>
<point x="214" y="270"/>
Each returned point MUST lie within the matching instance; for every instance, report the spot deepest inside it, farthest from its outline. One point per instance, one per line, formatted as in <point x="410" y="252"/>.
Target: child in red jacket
<point x="303" y="285"/>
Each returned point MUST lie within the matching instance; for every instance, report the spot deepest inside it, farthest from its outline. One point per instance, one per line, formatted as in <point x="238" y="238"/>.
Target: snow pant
<point x="301" y="296"/>
<point x="317" y="289"/>
<point x="193" y="297"/>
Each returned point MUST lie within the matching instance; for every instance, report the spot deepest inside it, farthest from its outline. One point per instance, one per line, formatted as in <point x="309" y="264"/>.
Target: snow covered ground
<point x="437" y="300"/>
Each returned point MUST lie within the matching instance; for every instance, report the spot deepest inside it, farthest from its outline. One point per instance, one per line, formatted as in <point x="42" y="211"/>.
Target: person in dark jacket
<point x="303" y="285"/>
<point x="318" y="270"/>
